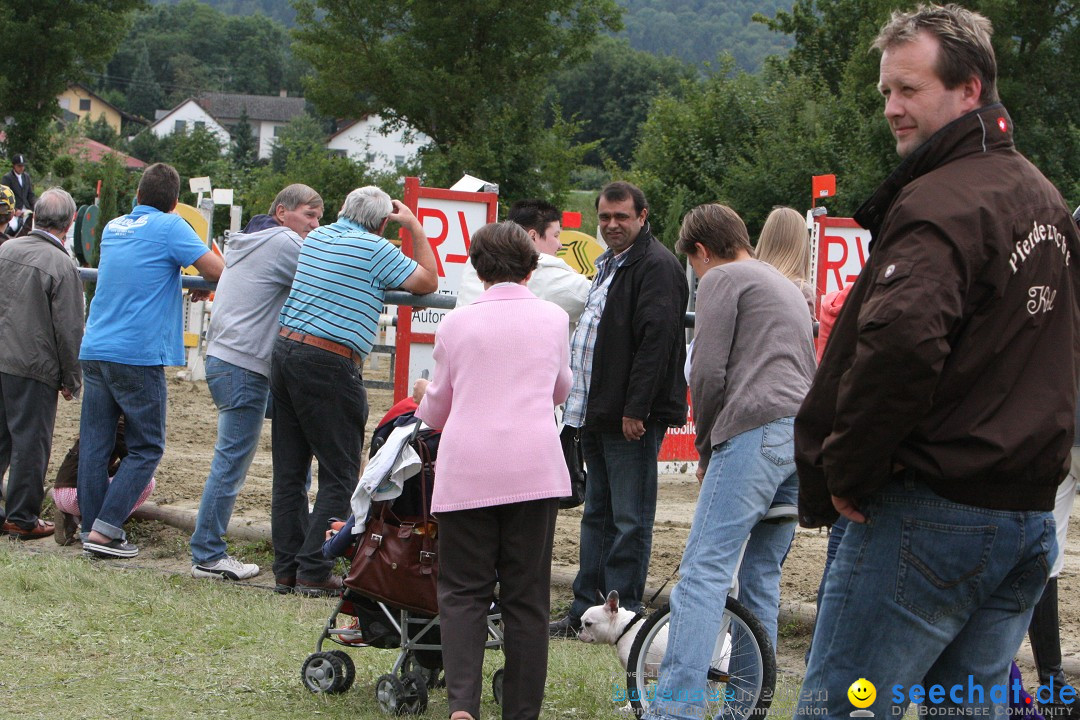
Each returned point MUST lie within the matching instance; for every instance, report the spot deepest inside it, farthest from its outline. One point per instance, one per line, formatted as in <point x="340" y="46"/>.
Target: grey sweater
<point x="259" y="269"/>
<point x="753" y="355"/>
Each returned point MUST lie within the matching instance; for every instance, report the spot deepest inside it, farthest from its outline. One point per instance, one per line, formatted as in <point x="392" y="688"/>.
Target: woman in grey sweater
<point x="751" y="364"/>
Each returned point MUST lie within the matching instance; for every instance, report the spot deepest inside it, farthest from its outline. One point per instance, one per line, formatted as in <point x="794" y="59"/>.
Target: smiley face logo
<point x="862" y="693"/>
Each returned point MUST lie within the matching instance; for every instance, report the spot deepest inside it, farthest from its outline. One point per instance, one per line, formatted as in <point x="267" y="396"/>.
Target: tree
<point x="299" y="156"/>
<point x="197" y="47"/>
<point x="99" y="130"/>
<point x="1037" y="46"/>
<point x="243" y="152"/>
<point x="81" y="36"/>
<point x="451" y="71"/>
<point x="147" y="146"/>
<point x="302" y="137"/>
<point x="610" y="92"/>
<point x="750" y="141"/>
<point x="197" y="152"/>
<point x="696" y="31"/>
<point x="144" y="96"/>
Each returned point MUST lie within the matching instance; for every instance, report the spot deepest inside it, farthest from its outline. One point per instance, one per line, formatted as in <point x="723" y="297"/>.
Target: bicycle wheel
<point x="741" y="676"/>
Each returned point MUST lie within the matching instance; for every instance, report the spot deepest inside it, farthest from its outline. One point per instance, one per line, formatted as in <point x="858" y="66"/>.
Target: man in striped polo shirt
<point x="328" y="326"/>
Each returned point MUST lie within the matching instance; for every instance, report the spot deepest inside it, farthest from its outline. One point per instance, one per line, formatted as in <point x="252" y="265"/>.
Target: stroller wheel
<point x="497" y="685"/>
<point x="325" y="672"/>
<point x="350" y="668"/>
<point x="432" y="676"/>
<point x="398" y="697"/>
<point x="415" y="693"/>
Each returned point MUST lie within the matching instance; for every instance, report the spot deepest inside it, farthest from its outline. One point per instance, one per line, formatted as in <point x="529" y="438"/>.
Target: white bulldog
<point x="610" y="624"/>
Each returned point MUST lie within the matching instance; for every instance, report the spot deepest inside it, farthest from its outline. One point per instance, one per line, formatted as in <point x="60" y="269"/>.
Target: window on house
<point x="179" y="126"/>
<point x="369" y="158"/>
<point x="337" y="152"/>
<point x="84" y="104"/>
<point x="200" y="123"/>
<point x="399" y="160"/>
<point x="278" y="129"/>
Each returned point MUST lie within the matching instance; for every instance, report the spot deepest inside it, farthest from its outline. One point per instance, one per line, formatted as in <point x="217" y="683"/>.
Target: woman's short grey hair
<point x="54" y="210"/>
<point x="367" y="206"/>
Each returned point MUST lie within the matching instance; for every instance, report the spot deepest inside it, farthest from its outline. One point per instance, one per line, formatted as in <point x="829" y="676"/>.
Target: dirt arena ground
<point x="190" y="440"/>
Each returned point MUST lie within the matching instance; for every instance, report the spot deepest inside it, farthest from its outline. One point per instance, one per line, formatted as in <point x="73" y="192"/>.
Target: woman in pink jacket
<point x="502" y="364"/>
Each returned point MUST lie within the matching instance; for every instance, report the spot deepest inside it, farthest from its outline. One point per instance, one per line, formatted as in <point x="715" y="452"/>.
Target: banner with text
<point x="449" y="218"/>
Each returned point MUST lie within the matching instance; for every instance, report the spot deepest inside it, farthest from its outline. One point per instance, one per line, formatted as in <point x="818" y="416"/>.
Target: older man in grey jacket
<point x="41" y="324"/>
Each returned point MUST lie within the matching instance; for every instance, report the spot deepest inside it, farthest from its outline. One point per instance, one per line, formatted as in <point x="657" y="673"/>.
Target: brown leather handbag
<point x="396" y="561"/>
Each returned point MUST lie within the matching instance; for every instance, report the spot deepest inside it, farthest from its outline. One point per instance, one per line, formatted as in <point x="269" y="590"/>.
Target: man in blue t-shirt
<point x="134" y="330"/>
<point x="328" y="326"/>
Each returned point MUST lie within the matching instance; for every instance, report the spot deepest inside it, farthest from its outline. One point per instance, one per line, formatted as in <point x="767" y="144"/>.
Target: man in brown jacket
<point x="941" y="417"/>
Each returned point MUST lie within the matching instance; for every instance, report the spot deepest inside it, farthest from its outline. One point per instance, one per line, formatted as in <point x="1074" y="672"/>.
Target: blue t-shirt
<point x="136" y="316"/>
<point x="341" y="278"/>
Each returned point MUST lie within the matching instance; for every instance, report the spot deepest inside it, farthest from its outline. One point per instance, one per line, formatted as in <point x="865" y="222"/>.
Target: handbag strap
<point x="425" y="473"/>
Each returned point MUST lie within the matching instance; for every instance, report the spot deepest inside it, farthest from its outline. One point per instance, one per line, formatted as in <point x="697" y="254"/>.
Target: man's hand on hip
<point x="633" y="429"/>
<point x="848" y="509"/>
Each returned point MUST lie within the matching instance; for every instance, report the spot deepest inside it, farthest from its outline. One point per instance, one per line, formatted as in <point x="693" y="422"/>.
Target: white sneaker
<point x="227" y="568"/>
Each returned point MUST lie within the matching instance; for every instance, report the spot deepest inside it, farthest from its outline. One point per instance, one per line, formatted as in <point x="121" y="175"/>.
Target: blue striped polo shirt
<point x="341" y="278"/>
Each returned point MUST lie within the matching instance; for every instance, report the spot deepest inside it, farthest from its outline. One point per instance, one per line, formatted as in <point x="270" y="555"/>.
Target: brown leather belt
<point x="322" y="344"/>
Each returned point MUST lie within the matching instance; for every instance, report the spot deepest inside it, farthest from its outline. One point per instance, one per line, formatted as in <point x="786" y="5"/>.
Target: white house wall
<point x="266" y="137"/>
<point x="363" y="138"/>
<point x="190" y="113"/>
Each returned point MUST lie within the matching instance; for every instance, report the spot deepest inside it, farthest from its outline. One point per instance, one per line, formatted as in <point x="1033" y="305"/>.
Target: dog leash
<point x="661" y="588"/>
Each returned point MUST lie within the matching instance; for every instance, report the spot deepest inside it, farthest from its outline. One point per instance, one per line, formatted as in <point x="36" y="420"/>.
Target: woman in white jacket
<point x="553" y="280"/>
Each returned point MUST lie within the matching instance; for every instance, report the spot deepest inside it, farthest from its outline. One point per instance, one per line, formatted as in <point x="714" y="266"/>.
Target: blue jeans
<point x="617" y="522"/>
<point x="109" y="389"/>
<point x="240" y="396"/>
<point x="836" y="534"/>
<point x="746" y="475"/>
<point x="320" y="410"/>
<point x="926" y="591"/>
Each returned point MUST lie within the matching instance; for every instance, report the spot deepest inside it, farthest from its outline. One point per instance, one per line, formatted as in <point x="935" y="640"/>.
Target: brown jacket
<point x="955" y="355"/>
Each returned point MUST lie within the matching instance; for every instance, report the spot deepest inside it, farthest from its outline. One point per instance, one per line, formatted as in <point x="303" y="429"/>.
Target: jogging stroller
<point x="375" y="619"/>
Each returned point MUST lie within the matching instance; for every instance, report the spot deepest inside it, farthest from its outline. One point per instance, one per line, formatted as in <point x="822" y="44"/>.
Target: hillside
<point x="692" y="30"/>
<point x="698" y="30"/>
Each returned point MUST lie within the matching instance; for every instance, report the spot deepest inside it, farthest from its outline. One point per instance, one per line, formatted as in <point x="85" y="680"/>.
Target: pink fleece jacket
<point x="502" y="364"/>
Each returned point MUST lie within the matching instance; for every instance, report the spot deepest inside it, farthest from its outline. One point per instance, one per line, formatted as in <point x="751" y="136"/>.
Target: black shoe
<point x="113" y="549"/>
<point x="568" y="627"/>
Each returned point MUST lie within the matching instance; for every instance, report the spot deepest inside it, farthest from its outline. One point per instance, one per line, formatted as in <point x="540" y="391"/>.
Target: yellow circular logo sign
<point x="862" y="693"/>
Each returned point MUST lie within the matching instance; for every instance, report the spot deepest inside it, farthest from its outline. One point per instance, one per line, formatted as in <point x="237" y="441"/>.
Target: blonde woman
<point x="785" y="244"/>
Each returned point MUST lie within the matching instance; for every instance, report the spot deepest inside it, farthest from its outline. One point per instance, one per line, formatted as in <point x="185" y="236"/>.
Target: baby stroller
<point x="404" y="616"/>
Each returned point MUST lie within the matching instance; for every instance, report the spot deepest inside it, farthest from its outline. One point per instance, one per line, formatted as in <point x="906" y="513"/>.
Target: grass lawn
<point x="87" y="640"/>
<point x="92" y="640"/>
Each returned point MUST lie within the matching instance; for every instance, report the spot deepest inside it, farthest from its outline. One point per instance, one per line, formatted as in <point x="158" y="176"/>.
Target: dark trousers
<point x="510" y="543"/>
<point x="617" y="521"/>
<point x="320" y="409"/>
<point x="27" y="416"/>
